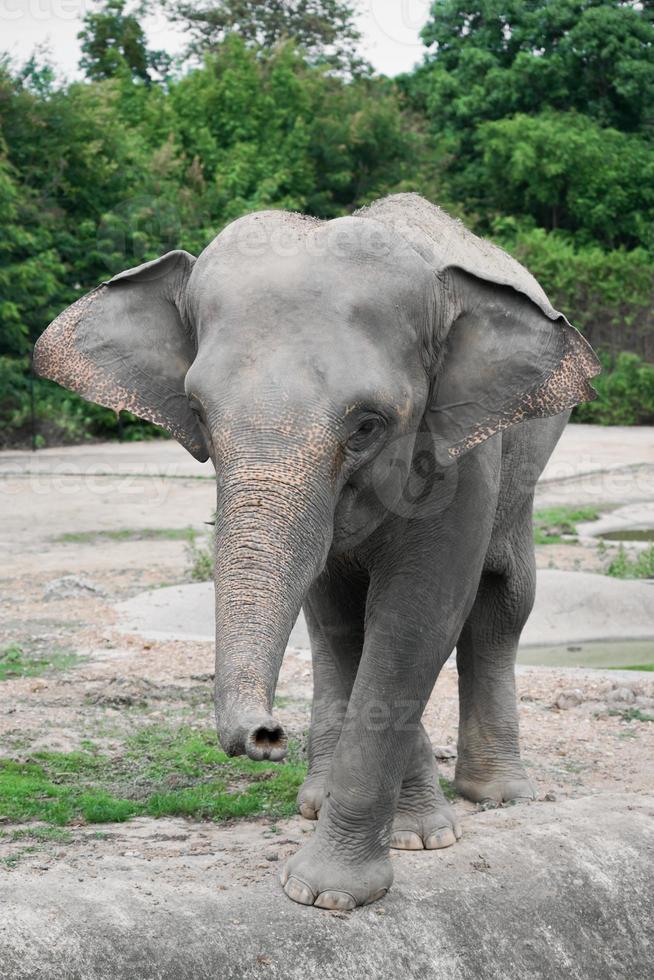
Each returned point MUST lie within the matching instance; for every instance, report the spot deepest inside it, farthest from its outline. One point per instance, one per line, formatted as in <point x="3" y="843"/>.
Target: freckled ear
<point x="504" y="361"/>
<point x="125" y="345"/>
<point x="503" y="353"/>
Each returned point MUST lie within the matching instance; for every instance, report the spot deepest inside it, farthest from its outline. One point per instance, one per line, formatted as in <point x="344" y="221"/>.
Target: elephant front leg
<point x="347" y="861"/>
<point x="334" y="610"/>
<point x="423" y="818"/>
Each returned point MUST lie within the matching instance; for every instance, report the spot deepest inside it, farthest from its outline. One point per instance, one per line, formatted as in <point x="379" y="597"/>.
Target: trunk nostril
<point x="267" y="741"/>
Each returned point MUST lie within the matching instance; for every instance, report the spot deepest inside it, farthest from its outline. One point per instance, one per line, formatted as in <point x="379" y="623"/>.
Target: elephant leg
<point x="334" y="611"/>
<point x="424" y="818"/>
<point x="412" y="624"/>
<point x="488" y="760"/>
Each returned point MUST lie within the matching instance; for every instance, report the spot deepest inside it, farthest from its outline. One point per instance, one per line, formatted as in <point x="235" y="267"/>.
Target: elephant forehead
<point x="280" y="259"/>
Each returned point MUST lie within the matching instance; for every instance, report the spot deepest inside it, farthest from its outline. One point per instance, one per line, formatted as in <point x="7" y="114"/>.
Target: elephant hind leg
<point x="488" y="766"/>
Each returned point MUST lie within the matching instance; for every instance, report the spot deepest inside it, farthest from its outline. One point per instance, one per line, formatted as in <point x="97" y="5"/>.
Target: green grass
<point x="640" y="566"/>
<point x="15" y="662"/>
<point x="129" y="534"/>
<point x="631" y="714"/>
<point x="449" y="790"/>
<point x="633" y="667"/>
<point x="160" y="772"/>
<point x="46" y="835"/>
<point x="552" y="523"/>
<point x="200" y="562"/>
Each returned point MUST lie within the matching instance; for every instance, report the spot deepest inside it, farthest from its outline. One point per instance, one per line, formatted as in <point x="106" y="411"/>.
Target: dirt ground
<point x="582" y="732"/>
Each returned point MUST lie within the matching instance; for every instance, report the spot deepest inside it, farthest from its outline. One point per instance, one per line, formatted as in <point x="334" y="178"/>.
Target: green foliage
<point x="160" y="772"/>
<point x="491" y="58"/>
<point x="200" y="562"/>
<point x="640" y="566"/>
<point x="532" y="121"/>
<point x="323" y="29"/>
<point x="129" y="534"/>
<point x="16" y="662"/>
<point x="553" y="522"/>
<point x="114" y="43"/>
<point x="565" y="171"/>
<point x="631" y="714"/>
<point x="625" y="393"/>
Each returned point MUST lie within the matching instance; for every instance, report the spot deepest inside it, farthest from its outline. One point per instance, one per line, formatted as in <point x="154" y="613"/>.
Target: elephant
<point x="379" y="394"/>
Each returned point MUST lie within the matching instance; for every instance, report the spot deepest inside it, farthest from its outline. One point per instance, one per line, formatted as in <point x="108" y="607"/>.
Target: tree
<point x="490" y="58"/>
<point x="324" y="29"/>
<point x="113" y="41"/>
<point x="566" y="172"/>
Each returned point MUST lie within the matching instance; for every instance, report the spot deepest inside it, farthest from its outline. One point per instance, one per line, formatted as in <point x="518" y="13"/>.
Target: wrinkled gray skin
<point x="357" y="384"/>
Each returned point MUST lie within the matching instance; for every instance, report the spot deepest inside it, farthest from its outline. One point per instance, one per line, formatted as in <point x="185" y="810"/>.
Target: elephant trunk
<point x="273" y="532"/>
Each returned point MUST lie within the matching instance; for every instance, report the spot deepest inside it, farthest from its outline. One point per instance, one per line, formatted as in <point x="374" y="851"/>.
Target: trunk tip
<point x="266" y="741"/>
<point x="259" y="738"/>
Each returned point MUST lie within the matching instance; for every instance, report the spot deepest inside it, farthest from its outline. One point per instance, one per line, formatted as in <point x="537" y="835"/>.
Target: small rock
<point x="550" y="796"/>
<point x="444" y="752"/>
<point x="70" y="587"/>
<point x="646" y="704"/>
<point x="273" y="856"/>
<point x="621" y="695"/>
<point x="571" y="698"/>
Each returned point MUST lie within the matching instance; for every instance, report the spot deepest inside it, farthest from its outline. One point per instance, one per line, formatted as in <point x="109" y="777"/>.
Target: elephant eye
<point x="370" y="428"/>
<point x="196" y="408"/>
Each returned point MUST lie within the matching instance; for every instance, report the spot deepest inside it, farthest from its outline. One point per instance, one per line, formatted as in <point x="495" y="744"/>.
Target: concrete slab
<point x="570" y="607"/>
<point x="541" y="891"/>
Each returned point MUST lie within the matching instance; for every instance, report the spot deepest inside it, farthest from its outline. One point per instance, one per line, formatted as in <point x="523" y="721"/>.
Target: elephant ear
<point x="500" y="352"/>
<point x="125" y="345"/>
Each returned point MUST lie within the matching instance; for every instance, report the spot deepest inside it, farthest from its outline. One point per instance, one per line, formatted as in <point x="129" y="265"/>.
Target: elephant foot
<point x="319" y="875"/>
<point x="424" y="819"/>
<point x="512" y="786"/>
<point x="310" y="796"/>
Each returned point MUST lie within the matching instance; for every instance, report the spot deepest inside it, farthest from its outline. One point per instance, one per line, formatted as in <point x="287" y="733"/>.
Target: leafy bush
<point x="625" y="393"/>
<point x="61" y="417"/>
<point x="623" y="566"/>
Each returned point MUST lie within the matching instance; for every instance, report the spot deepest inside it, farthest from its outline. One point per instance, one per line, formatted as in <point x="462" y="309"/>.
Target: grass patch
<point x="448" y="787"/>
<point x="631" y="714"/>
<point x="160" y="772"/>
<point x="199" y="561"/>
<point x="649" y="667"/>
<point x="46" y="835"/>
<point x="640" y="566"/>
<point x="552" y="523"/>
<point x="15" y="662"/>
<point x="129" y="534"/>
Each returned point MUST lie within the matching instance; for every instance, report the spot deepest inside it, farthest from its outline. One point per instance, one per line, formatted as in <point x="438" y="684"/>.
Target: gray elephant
<point x="357" y="384"/>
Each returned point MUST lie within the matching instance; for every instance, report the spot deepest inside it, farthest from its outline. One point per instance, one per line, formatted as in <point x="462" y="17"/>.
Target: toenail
<point x="406" y="840"/>
<point x="378" y="894"/>
<point x="299" y="891"/>
<point x="342" y="901"/>
<point x="440" y="838"/>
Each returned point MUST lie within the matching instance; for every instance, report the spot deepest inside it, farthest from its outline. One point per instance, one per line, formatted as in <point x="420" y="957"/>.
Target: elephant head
<point x="303" y="357"/>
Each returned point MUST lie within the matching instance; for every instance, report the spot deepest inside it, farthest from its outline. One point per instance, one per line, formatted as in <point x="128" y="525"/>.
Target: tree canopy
<point x="531" y="120"/>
